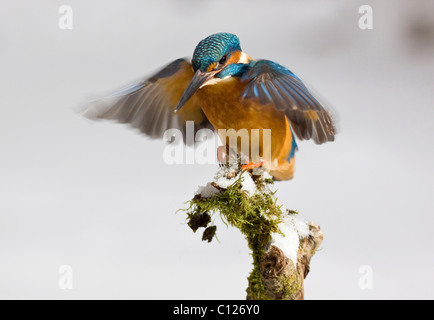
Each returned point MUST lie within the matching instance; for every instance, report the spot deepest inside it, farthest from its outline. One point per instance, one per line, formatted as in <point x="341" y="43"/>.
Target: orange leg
<point x="252" y="165"/>
<point x="221" y="154"/>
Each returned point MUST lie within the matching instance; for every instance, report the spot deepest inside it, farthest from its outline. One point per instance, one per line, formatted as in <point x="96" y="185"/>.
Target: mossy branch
<point x="245" y="200"/>
<point x="281" y="279"/>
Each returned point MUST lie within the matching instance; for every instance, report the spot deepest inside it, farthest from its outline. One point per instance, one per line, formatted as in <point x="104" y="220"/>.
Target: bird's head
<point x="210" y="57"/>
<point x="216" y="51"/>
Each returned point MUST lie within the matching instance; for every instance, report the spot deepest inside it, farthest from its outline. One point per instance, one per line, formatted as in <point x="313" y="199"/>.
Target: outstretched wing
<point x="269" y="82"/>
<point x="149" y="104"/>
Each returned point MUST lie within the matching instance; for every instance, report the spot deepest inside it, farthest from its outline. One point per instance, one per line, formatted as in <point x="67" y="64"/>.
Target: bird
<point x="223" y="88"/>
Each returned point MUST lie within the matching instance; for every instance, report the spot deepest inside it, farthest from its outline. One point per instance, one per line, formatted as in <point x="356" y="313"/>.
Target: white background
<point x="99" y="198"/>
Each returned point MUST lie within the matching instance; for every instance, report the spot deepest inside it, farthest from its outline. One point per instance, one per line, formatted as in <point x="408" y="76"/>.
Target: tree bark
<point x="281" y="278"/>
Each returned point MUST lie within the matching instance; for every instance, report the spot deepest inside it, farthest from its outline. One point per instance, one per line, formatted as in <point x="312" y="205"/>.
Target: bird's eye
<point x="222" y="60"/>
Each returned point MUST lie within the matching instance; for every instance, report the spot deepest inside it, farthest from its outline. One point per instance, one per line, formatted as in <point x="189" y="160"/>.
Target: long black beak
<point x="198" y="80"/>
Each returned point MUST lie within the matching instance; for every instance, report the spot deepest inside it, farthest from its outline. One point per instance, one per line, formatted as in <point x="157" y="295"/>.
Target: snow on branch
<point x="282" y="244"/>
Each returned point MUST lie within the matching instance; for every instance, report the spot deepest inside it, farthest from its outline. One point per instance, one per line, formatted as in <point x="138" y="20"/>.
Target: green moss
<point x="209" y="233"/>
<point x="257" y="217"/>
<point x="198" y="219"/>
<point x="291" y="284"/>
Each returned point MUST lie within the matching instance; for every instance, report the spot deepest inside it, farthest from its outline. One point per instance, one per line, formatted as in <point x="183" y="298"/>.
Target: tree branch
<point x="275" y="235"/>
<point x="281" y="279"/>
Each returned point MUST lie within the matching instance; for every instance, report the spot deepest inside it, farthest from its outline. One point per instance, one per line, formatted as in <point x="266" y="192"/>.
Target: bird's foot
<point x="221" y="155"/>
<point x="252" y="165"/>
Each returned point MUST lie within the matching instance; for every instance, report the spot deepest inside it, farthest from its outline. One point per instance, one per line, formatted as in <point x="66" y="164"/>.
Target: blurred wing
<point x="269" y="82"/>
<point x="149" y="104"/>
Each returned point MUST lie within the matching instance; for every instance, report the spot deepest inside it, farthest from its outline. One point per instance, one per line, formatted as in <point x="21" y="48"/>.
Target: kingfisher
<point x="222" y="87"/>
